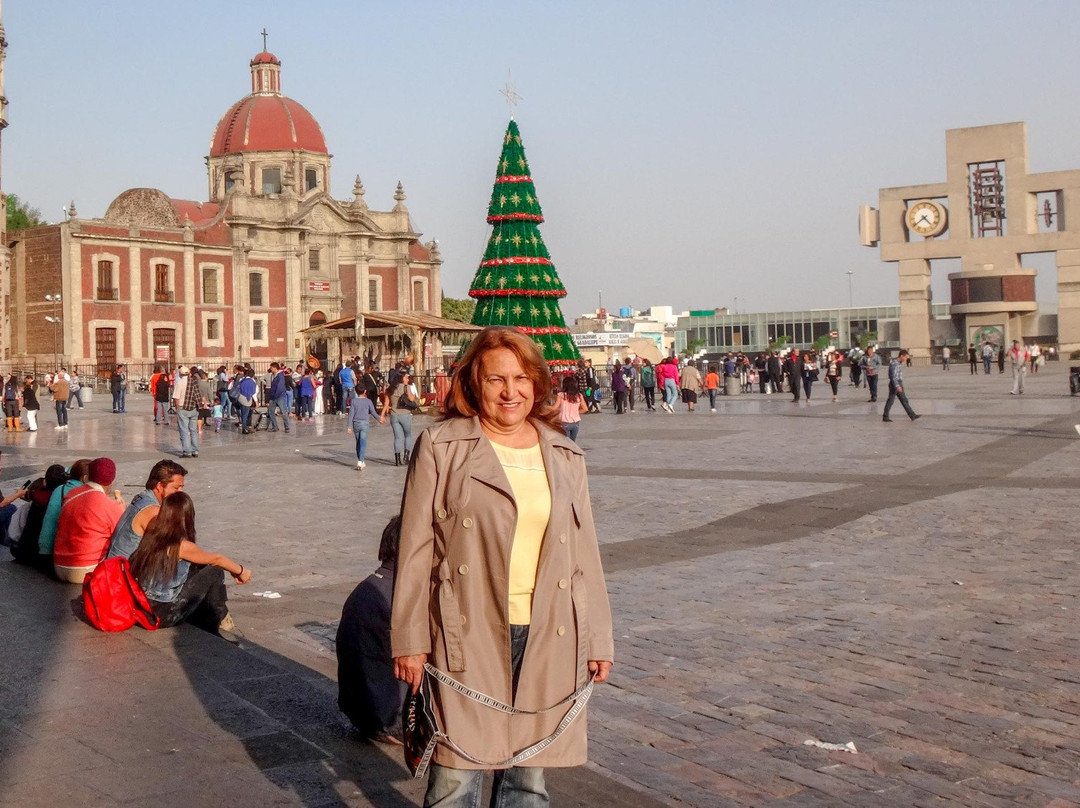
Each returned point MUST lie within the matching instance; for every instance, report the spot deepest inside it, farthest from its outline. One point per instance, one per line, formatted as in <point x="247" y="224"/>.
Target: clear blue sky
<point x="685" y="153"/>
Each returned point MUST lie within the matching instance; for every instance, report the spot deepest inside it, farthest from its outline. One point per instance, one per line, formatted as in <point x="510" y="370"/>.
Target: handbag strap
<point x="580" y="699"/>
<point x="495" y="704"/>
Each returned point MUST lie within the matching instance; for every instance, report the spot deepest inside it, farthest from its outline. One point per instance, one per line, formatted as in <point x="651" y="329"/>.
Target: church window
<point x="271" y="180"/>
<point x="419" y="298"/>
<point x="105" y="288"/>
<point x="213" y="329"/>
<point x="230" y="181"/>
<point x="313" y="261"/>
<point x="162" y="292"/>
<point x="311" y="179"/>
<point x="209" y="285"/>
<point x="373" y="294"/>
<point x="258" y="330"/>
<point x="255" y="289"/>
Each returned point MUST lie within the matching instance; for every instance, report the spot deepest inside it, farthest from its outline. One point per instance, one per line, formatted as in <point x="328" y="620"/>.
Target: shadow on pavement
<point x="286" y="718"/>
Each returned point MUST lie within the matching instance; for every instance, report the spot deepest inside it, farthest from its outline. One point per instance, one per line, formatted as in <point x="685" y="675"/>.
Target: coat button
<point x="467" y="522"/>
<point x="562" y="539"/>
<point x="562" y="584"/>
<point x="462" y="619"/>
<point x="561" y="631"/>
<point x="463" y="569"/>
<point x="441" y="513"/>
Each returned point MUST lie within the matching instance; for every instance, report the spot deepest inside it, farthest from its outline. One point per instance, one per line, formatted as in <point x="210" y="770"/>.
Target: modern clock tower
<point x="988" y="213"/>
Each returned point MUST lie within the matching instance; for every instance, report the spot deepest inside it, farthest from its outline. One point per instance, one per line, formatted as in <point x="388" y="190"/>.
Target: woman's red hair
<point x="463" y="400"/>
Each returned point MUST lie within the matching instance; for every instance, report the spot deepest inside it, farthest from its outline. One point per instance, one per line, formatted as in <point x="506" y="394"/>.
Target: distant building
<point x="239" y="276"/>
<point x="752" y="333"/>
<point x="602" y="334"/>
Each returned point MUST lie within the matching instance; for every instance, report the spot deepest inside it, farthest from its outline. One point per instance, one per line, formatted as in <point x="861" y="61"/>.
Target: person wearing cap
<point x="88" y="517"/>
<point x="187" y="401"/>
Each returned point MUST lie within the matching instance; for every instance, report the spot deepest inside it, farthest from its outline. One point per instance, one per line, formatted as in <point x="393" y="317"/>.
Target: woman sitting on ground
<point x="181" y="580"/>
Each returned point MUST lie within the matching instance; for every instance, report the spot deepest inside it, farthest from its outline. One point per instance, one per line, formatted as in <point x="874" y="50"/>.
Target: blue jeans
<point x="118" y="401"/>
<point x="361" y="439"/>
<point x="187" y="421"/>
<point x="161" y="412"/>
<point x="347" y="394"/>
<point x="671" y="392"/>
<point x="226" y="403"/>
<point x="61" y="413"/>
<point x="307" y="406"/>
<point x="401" y="422"/>
<point x="245" y="417"/>
<point x="519" y="787"/>
<point x="571" y="429"/>
<point x="76" y="396"/>
<point x="275" y="405"/>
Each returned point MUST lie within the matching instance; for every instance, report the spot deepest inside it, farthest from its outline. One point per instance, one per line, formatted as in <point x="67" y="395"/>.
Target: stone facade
<point x="236" y="277"/>
<point x="988" y="213"/>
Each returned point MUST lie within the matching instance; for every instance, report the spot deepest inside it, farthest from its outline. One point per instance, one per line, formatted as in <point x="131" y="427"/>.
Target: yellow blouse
<point x="528" y="479"/>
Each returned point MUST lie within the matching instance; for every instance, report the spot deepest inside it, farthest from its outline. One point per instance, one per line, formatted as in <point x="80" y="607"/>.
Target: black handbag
<point x="418" y="730"/>
<point x="405" y="403"/>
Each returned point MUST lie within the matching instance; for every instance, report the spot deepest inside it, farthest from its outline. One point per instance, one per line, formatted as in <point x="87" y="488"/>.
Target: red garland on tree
<point x="516" y="284"/>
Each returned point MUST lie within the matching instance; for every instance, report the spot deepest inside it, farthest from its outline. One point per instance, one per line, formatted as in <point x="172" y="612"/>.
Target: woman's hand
<point x="243" y="576"/>
<point x="348" y="431"/>
<point x="410" y="669"/>
<point x="599" y="669"/>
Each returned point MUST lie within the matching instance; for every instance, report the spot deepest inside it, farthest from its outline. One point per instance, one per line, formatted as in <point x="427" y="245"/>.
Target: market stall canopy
<point x="362" y="323"/>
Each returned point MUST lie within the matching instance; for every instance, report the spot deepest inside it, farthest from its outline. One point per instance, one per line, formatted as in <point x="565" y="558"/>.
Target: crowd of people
<point x="70" y="519"/>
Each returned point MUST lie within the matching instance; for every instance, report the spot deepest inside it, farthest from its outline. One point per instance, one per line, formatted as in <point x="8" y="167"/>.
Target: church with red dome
<point x="242" y="275"/>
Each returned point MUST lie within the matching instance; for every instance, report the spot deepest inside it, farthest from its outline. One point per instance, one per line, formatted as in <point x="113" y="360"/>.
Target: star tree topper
<point x="512" y="97"/>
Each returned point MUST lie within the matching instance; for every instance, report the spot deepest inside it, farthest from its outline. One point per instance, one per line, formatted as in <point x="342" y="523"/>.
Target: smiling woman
<point x="499" y="584"/>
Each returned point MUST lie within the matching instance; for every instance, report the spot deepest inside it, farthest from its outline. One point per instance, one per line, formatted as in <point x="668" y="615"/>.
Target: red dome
<point x="265" y="58"/>
<point x="266" y="123"/>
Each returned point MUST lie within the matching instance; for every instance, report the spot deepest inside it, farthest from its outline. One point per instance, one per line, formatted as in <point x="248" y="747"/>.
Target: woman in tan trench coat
<point x="497" y="529"/>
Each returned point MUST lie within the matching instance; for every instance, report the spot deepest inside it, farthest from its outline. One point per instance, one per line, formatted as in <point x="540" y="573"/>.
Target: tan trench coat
<point x="452" y="585"/>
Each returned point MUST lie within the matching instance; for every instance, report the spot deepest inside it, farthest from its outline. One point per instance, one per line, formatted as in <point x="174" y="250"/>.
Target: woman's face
<point x="506" y="391"/>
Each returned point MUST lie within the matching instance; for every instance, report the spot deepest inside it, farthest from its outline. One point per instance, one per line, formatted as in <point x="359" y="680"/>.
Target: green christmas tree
<point x="516" y="284"/>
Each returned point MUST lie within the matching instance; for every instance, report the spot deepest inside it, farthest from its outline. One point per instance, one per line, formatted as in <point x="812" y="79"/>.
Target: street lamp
<point x="850" y="298"/>
<point x="54" y="319"/>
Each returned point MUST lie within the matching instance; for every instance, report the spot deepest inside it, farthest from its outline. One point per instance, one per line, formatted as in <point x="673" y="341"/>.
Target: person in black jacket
<point x="368" y="693"/>
<point x="793" y="369"/>
<point x="776" y="373"/>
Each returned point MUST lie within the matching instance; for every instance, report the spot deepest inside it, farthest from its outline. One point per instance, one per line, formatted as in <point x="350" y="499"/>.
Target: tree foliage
<point x="458" y="309"/>
<point x="779" y="343"/>
<point x="21" y="215"/>
<point x="867" y="338"/>
<point x="693" y="346"/>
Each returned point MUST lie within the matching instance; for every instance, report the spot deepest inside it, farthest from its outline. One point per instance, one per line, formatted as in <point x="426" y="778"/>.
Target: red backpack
<point x="113" y="599"/>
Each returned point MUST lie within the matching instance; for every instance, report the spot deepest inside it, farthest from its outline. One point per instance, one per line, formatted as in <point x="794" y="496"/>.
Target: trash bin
<point x="87" y="394"/>
<point x="732" y="386"/>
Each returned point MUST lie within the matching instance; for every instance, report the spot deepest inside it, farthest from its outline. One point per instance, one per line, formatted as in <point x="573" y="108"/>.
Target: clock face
<point x="926" y="218"/>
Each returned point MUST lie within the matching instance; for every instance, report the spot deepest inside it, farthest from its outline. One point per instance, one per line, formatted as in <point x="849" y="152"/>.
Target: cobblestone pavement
<point x="780" y="574"/>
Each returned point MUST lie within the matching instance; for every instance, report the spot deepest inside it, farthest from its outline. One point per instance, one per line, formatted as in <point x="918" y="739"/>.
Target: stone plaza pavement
<point x="783" y="577"/>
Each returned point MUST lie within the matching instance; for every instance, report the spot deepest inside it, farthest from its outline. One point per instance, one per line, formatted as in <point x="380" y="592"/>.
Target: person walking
<point x="793" y="367"/>
<point x="1018" y="359"/>
<point x="75" y="386"/>
<point x="834" y="370"/>
<point x="60" y="394"/>
<point x="776" y="372"/>
<point x="987" y="356"/>
<point x="810" y="373"/>
<point x="648" y="384"/>
<point x="1001" y="359"/>
<point x="278" y="397"/>
<point x="973" y="359"/>
<point x="946" y="355"/>
<point x="618" y="388"/>
<point x="187" y="401"/>
<point x="30" y="402"/>
<point x="118" y="388"/>
<point x="712" y="386"/>
<point x="667" y="372"/>
<point x="631" y="374"/>
<point x="592" y="387"/>
<point x="12" y="398"/>
<point x="896" y="387"/>
<point x="400" y="402"/>
<point x="871" y="364"/>
<point x="690" y="384"/>
<point x="497" y="570"/>
<point x="361" y="411"/>
<point x="571" y="406"/>
<point x="161" y="385"/>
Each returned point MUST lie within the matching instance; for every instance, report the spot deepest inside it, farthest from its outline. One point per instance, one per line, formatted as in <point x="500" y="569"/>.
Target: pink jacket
<point x="667" y="370"/>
